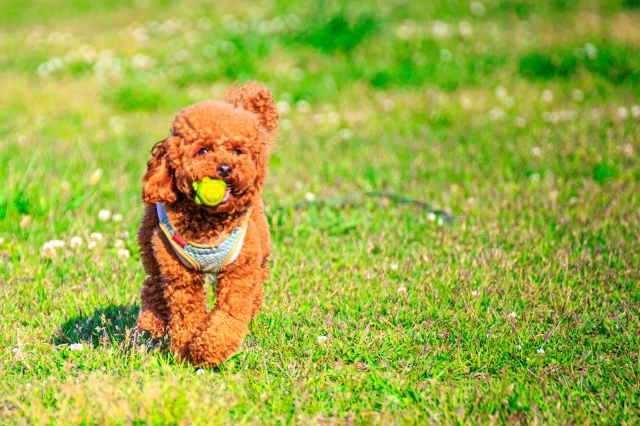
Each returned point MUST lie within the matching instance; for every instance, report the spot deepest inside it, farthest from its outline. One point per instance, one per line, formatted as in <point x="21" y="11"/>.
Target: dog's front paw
<point x="152" y="323"/>
<point x="217" y="341"/>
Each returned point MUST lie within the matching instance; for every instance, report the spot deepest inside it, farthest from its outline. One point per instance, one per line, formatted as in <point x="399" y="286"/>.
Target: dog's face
<point x="229" y="140"/>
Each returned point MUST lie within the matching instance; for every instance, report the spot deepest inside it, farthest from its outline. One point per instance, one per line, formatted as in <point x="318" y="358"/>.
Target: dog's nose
<point x="224" y="170"/>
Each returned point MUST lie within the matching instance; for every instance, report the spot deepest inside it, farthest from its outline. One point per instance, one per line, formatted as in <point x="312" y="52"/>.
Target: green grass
<point x="524" y="309"/>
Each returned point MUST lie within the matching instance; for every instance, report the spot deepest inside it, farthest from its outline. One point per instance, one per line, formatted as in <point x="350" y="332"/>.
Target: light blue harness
<point x="206" y="258"/>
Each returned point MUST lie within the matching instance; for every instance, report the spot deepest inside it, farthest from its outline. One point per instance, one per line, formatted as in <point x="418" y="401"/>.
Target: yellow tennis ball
<point x="209" y="191"/>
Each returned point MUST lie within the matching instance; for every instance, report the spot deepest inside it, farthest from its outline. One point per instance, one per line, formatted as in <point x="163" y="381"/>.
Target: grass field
<point x="519" y="118"/>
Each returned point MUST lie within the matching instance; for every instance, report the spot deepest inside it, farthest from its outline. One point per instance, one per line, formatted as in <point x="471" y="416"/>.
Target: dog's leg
<point x="262" y="226"/>
<point x="183" y="291"/>
<point x="258" y="293"/>
<point x="154" y="312"/>
<point x="222" y="331"/>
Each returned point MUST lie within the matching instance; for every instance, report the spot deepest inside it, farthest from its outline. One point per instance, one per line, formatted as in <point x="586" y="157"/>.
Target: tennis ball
<point x="209" y="191"/>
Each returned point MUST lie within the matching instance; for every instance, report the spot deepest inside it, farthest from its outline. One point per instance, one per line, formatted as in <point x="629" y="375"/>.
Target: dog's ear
<point x="158" y="186"/>
<point x="257" y="99"/>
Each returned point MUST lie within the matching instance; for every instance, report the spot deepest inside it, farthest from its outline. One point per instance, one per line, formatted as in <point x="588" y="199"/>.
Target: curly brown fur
<point x="173" y="296"/>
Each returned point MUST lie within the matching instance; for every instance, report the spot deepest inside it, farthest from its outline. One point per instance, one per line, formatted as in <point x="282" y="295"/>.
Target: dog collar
<point x="209" y="259"/>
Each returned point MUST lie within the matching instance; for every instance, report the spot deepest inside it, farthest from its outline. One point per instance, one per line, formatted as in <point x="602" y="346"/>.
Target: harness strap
<point x="181" y="246"/>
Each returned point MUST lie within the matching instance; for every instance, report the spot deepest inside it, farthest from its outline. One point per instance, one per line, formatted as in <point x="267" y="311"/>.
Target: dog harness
<point x="209" y="259"/>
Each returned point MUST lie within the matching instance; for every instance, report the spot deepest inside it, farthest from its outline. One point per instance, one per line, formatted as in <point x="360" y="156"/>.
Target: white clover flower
<point x="285" y="124"/>
<point x="591" y="50"/>
<point x="123" y="254"/>
<point x="474" y="293"/>
<point x="72" y="57"/>
<point x="43" y="69"/>
<point x="96" y="236"/>
<point x="310" y="197"/>
<point x="466" y="102"/>
<point x="345" y="134"/>
<point x="333" y="118"/>
<point x="117" y="217"/>
<point x="200" y="371"/>
<point x="319" y="118"/>
<point x="536" y="151"/>
<point x="140" y="36"/>
<point x="104" y="215"/>
<point x="501" y="92"/>
<point x="57" y="243"/>
<point x="303" y="106"/>
<point x="578" y="95"/>
<point x="142" y="62"/>
<point x="521" y="122"/>
<point x="519" y="347"/>
<point x="92" y="244"/>
<point x="440" y="29"/>
<point x="1" y="241"/>
<point x="115" y="122"/>
<point x="477" y="8"/>
<point x="48" y="250"/>
<point x="394" y="266"/>
<point x="402" y="289"/>
<point x="509" y="102"/>
<point x="496" y="114"/>
<point x="513" y="315"/>
<point x="540" y="351"/>
<point x="547" y="96"/>
<point x="635" y="111"/>
<point x="465" y="29"/>
<point x="622" y="113"/>
<point x="567" y="115"/>
<point x="76" y="347"/>
<point x="406" y="31"/>
<point x="283" y="107"/>
<point x="322" y="339"/>
<point x="76" y="242"/>
<point x="119" y="244"/>
<point x="88" y="53"/>
<point x="440" y="221"/>
<point x="431" y="217"/>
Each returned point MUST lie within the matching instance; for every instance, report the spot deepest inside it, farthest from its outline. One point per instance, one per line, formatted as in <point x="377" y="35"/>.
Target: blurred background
<point x="93" y="84"/>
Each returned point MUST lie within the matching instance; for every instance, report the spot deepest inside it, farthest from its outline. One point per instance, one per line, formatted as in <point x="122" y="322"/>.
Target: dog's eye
<point x="237" y="152"/>
<point x="203" y="151"/>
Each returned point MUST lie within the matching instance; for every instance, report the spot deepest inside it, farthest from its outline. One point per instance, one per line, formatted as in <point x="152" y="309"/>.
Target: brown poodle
<point x="230" y="141"/>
